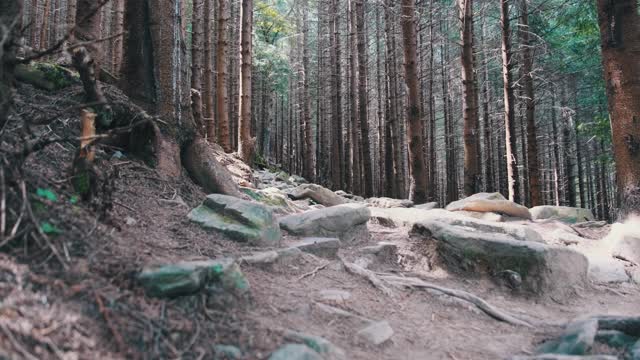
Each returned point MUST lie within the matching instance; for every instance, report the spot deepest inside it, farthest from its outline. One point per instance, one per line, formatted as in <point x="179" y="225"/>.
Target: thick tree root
<point x="478" y="302"/>
<point x="367" y="274"/>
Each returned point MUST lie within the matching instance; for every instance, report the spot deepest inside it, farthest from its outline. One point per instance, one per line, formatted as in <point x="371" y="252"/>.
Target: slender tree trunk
<point x="207" y="91"/>
<point x="418" y="190"/>
<point x="362" y="100"/>
<point x="470" y="100"/>
<point x="44" y="26"/>
<point x="337" y="147"/>
<point x="509" y="121"/>
<point x="489" y="180"/>
<point x="307" y="162"/>
<point x="222" y="112"/>
<point x="433" y="163"/>
<point x="620" y="38"/>
<point x="197" y="54"/>
<point x="356" y="186"/>
<point x="556" y="153"/>
<point x="117" y="42"/>
<point x="246" y="147"/>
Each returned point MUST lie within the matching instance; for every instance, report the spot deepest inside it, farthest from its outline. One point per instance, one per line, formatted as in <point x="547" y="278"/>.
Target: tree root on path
<point x="478" y="302"/>
<point x="367" y="274"/>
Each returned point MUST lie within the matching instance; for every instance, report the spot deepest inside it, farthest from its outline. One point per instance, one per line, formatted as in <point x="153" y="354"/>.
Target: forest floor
<point x="93" y="307"/>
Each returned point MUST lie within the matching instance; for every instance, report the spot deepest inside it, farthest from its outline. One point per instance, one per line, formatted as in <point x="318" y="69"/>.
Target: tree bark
<point x="620" y="39"/>
<point x="246" y="142"/>
<point x="509" y="121"/>
<point x="222" y="112"/>
<point x="197" y="54"/>
<point x="470" y="100"/>
<point x="10" y="10"/>
<point x="418" y="190"/>
<point x="367" y="189"/>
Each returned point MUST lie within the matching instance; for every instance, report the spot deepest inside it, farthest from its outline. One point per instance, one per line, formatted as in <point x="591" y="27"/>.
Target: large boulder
<point x="562" y="213"/>
<point x="490" y="202"/>
<point x="393" y="217"/>
<point x="317" y="193"/>
<point x="190" y="277"/>
<point x="346" y="222"/>
<point x="273" y="198"/>
<point x="241" y="220"/>
<point x="477" y="246"/>
<point x="385" y="202"/>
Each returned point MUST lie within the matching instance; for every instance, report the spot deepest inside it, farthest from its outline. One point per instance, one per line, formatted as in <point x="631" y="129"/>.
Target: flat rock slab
<point x="190" y="277"/>
<point x="490" y="203"/>
<point x="322" y="247"/>
<point x="376" y="333"/>
<point x="394" y="217"/>
<point x="565" y="357"/>
<point x="240" y="220"/>
<point x="477" y="246"/>
<point x="295" y="352"/>
<point x="346" y="222"/>
<point x="565" y="214"/>
<point x="427" y="206"/>
<point x="385" y="202"/>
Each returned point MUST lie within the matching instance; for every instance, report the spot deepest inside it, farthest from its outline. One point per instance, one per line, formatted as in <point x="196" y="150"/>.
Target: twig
<point x="369" y="275"/>
<point x="478" y="302"/>
<point x="124" y="206"/>
<point x="3" y="205"/>
<point x="103" y="311"/>
<point x="16" y="344"/>
<point x="315" y="271"/>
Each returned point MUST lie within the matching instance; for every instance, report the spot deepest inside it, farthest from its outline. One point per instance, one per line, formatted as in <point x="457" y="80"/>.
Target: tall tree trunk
<point x="245" y="141"/>
<point x="470" y="100"/>
<point x="620" y="37"/>
<point x="356" y="174"/>
<point x="529" y="99"/>
<point x="509" y="121"/>
<point x="10" y="10"/>
<point x="367" y="189"/>
<point x="418" y="190"/>
<point x="337" y="143"/>
<point x="222" y="111"/>
<point x="207" y="91"/>
<point x="433" y="163"/>
<point x="487" y="154"/>
<point x="307" y="161"/>
<point x="197" y="54"/>
<point x="117" y="42"/>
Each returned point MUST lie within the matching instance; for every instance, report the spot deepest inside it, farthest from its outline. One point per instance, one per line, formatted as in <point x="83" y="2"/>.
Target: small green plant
<point x="49" y="229"/>
<point x="47" y="194"/>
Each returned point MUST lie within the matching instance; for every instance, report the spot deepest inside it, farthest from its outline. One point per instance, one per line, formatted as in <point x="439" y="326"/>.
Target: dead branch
<point x="367" y="274"/>
<point x="478" y="302"/>
<point x="103" y="311"/>
<point x="314" y="271"/>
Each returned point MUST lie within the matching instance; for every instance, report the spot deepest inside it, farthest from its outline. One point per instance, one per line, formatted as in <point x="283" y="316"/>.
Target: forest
<point x="319" y="179"/>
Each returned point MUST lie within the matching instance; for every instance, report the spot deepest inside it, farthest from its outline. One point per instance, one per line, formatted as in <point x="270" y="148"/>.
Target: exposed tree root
<point x="478" y="302"/>
<point x="367" y="274"/>
<point x="201" y="163"/>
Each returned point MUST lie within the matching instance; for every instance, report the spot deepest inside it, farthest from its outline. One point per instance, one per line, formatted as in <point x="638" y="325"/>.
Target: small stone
<point x="335" y="296"/>
<point x="323" y="247"/>
<point x="295" y="352"/>
<point x="317" y="343"/>
<point x="227" y="352"/>
<point x="130" y="221"/>
<point x="261" y="258"/>
<point x="577" y="339"/>
<point x="376" y="333"/>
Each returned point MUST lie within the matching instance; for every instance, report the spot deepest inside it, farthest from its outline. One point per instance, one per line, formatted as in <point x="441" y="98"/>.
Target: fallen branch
<point x="478" y="302"/>
<point x="367" y="274"/>
<point x="103" y="311"/>
<point x="314" y="272"/>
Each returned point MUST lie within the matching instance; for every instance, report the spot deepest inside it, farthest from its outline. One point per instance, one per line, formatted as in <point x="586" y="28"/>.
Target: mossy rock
<point x="46" y="76"/>
<point x="190" y="277"/>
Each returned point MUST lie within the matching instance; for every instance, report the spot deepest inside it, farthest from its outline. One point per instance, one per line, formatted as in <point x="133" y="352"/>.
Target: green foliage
<point x="271" y="58"/>
<point x="49" y="228"/>
<point x="47" y="194"/>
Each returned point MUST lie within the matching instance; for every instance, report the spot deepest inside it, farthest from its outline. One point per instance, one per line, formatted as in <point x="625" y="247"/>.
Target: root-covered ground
<point x="77" y="297"/>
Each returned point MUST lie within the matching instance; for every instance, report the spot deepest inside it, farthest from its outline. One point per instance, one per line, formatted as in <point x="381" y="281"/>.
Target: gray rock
<point x="629" y="325"/>
<point x="565" y="357"/>
<point x="590" y="224"/>
<point x="562" y="213"/>
<point x="317" y="193"/>
<point x="318" y="344"/>
<point x="240" y="220"/>
<point x="474" y="246"/>
<point x="490" y="202"/>
<point x="634" y="351"/>
<point x="295" y="179"/>
<point x="427" y="206"/>
<point x="190" y="277"/>
<point x="385" y="202"/>
<point x="577" y="339"/>
<point x="487" y="216"/>
<point x="227" y="352"/>
<point x="376" y="333"/>
<point x="295" y="352"/>
<point x="273" y="198"/>
<point x="261" y="258"/>
<point x="346" y="222"/>
<point x="322" y="247"/>
<point x="400" y="216"/>
<point x="334" y="296"/>
<point x="615" y="339"/>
